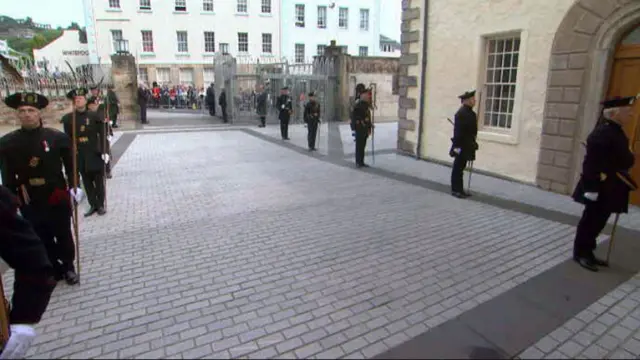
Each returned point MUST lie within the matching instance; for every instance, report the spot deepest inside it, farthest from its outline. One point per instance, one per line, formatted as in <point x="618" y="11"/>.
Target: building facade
<point x="66" y="48"/>
<point x="389" y="47"/>
<point x="174" y="41"/>
<point x="308" y="26"/>
<point x="541" y="69"/>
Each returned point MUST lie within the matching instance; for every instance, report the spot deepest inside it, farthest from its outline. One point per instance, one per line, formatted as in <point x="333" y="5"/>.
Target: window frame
<point x="180" y="8"/>
<point x="265" y="5"/>
<point x="365" y="20"/>
<point x="114" y="4"/>
<point x="206" y="3"/>
<point x="299" y="15"/>
<point x="322" y="16"/>
<point x="146" y="6"/>
<point x="269" y="43"/>
<point x="240" y="43"/>
<point x="186" y="41"/>
<point x="366" y="50"/>
<point x="212" y="41"/>
<point x="345" y="26"/>
<point x="242" y="4"/>
<point x="296" y="59"/>
<point x="144" y="47"/>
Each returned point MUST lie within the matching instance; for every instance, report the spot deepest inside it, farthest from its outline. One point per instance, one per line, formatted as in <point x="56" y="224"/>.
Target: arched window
<point x="632" y="38"/>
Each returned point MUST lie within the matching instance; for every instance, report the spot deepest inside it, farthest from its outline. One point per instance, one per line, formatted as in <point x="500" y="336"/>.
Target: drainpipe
<point x="423" y="76"/>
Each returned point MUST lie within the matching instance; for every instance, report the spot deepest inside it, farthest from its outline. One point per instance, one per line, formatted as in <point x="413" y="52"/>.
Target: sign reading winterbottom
<point x="75" y="52"/>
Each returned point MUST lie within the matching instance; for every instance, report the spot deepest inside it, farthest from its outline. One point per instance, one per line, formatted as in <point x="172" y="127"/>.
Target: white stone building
<point x="541" y="69"/>
<point x="389" y="47"/>
<point x="308" y="26"/>
<point x="174" y="41"/>
<point x="67" y="47"/>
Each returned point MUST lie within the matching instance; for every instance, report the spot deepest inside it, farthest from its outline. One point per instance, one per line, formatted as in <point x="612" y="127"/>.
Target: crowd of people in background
<point x="177" y="96"/>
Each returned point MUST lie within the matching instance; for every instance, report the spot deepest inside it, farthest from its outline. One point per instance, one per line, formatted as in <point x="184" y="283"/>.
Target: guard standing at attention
<point x="605" y="182"/>
<point x="23" y="250"/>
<point x="112" y="104"/>
<point x="312" y="118"/>
<point x="94" y="104"/>
<point x="92" y="154"/>
<point x="463" y="144"/>
<point x="361" y="122"/>
<point x="285" y="107"/>
<point x="31" y="160"/>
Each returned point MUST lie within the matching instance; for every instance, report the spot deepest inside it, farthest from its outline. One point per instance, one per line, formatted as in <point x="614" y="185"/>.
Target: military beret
<point x="467" y="95"/>
<point x="93" y="100"/>
<point x="312" y="94"/>
<point x="26" y="99"/>
<point x="618" y="102"/>
<point x="93" y="87"/>
<point x="77" y="92"/>
<point x="285" y="88"/>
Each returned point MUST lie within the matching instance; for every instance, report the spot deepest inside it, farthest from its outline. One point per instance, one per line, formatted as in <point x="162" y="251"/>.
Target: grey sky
<point x="67" y="11"/>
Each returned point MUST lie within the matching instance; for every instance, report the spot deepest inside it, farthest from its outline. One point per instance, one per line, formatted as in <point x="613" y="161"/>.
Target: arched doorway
<point x="625" y="81"/>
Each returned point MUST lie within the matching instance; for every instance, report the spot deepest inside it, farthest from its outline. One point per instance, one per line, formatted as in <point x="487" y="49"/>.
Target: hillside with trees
<point x="24" y="35"/>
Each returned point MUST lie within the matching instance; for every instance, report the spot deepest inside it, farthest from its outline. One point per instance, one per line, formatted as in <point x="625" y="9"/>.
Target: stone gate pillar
<point x="341" y="61"/>
<point x="125" y="81"/>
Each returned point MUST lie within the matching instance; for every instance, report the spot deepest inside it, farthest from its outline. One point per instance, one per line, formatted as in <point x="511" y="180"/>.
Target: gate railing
<point x="240" y="77"/>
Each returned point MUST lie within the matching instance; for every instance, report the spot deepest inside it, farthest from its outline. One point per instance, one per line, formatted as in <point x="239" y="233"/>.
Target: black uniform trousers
<point x="593" y="221"/>
<point x="284" y="126"/>
<point x="361" y="143"/>
<point x="143" y="113"/>
<point x="94" y="186"/>
<point x="52" y="224"/>
<point x="114" y="120"/>
<point x="224" y="113"/>
<point x="457" y="173"/>
<point x="263" y="120"/>
<point x="212" y="109"/>
<point x="312" y="133"/>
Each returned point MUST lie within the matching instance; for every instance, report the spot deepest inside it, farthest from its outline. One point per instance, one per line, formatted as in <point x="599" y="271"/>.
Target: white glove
<point x="105" y="157"/>
<point x="457" y="151"/>
<point x="19" y="342"/>
<point x="282" y="107"/>
<point x="591" y="196"/>
<point x="77" y="194"/>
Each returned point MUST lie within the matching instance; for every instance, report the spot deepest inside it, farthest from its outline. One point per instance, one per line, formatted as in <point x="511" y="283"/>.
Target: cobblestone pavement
<point x="211" y="249"/>
<point x="608" y="329"/>
<point x="500" y="188"/>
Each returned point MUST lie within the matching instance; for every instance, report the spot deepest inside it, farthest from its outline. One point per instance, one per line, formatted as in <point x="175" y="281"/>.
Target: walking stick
<point x="74" y="149"/>
<point x="106" y="128"/>
<point x="374" y="88"/>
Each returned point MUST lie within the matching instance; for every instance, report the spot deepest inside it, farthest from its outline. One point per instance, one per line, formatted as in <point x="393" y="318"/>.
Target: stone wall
<point x="381" y="71"/>
<point x="578" y="77"/>
<point x="125" y="80"/>
<point x="408" y="74"/>
<point x="51" y="115"/>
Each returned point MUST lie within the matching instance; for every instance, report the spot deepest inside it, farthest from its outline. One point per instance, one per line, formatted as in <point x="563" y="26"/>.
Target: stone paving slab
<point x="608" y="329"/>
<point x="386" y="138"/>
<point x="493" y="186"/>
<point x="262" y="252"/>
<point x="298" y="135"/>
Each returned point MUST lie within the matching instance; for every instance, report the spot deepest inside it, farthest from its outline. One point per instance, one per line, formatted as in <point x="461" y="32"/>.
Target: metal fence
<point x="241" y="76"/>
<point x="55" y="85"/>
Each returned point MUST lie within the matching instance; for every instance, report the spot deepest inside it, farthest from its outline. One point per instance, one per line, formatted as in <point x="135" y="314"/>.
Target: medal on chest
<point x="82" y="128"/>
<point x="86" y="121"/>
<point x="34" y="161"/>
<point x="45" y="145"/>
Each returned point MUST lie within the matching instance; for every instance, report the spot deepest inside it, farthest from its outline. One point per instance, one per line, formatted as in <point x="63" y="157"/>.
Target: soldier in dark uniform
<point x="32" y="159"/>
<point x="112" y="105"/>
<point x="360" y="88"/>
<point x="34" y="279"/>
<point x="94" y="105"/>
<point x="92" y="155"/>
<point x="261" y="106"/>
<point x="605" y="182"/>
<point x="312" y="118"/>
<point x="361" y="122"/>
<point x="285" y="108"/>
<point x="463" y="143"/>
<point x="222" y="101"/>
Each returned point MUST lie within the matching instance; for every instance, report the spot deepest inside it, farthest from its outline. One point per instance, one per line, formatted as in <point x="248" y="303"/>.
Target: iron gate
<point x="240" y="78"/>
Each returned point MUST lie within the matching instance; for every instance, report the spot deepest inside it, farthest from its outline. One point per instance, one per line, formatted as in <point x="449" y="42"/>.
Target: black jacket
<point x="32" y="160"/>
<point x="312" y="112"/>
<point x="90" y="139"/>
<point x="465" y="132"/>
<point x="285" y="107"/>
<point x="361" y="116"/>
<point x="23" y="251"/>
<point x="607" y="161"/>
